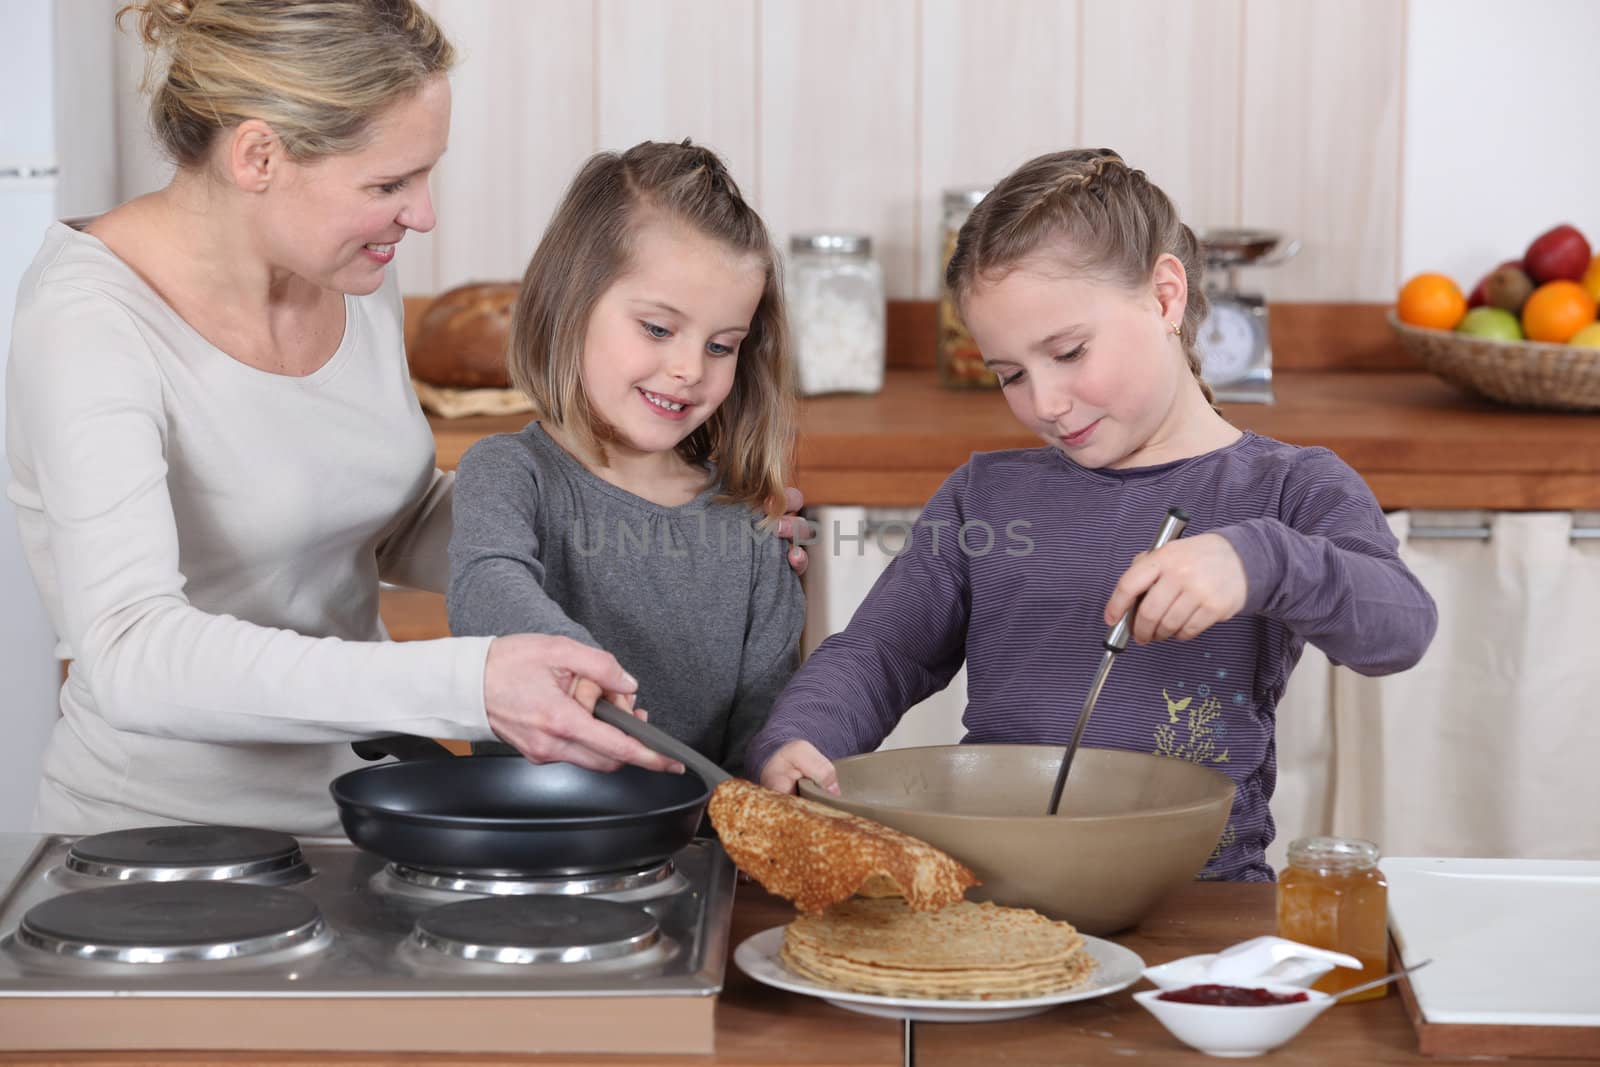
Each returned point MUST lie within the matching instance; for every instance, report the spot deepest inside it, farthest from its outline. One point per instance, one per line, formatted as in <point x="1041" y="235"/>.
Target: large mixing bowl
<point x="1131" y="826"/>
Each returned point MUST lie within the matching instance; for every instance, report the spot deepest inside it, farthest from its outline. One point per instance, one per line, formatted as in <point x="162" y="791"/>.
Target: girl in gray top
<point x="634" y="513"/>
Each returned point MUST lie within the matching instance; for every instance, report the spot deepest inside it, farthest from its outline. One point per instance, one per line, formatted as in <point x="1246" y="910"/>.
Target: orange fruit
<point x="1588" y="337"/>
<point x="1591" y="278"/>
<point x="1432" y="301"/>
<point x="1556" y="311"/>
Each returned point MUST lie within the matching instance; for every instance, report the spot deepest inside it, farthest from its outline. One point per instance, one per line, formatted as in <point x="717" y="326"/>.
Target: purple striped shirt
<point x="1009" y="568"/>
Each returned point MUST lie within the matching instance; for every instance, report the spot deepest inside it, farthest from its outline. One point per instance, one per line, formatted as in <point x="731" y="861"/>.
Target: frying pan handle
<point x="400" y="746"/>
<point x="660" y="741"/>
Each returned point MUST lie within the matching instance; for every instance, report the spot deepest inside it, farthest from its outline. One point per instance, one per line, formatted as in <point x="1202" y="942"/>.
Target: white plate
<point x="1513" y="942"/>
<point x="1116" y="968"/>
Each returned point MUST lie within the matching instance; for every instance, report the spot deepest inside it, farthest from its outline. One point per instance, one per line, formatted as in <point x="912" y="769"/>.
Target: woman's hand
<point x="797" y="760"/>
<point x="1189" y="586"/>
<point x="791" y="527"/>
<point x="539" y="692"/>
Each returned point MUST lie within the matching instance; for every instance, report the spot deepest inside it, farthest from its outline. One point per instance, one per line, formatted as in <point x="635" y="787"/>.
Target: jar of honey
<point x="1333" y="896"/>
<point x="960" y="361"/>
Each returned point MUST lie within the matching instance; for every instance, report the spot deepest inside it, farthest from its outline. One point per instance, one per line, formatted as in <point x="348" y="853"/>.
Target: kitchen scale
<point x="1234" y="346"/>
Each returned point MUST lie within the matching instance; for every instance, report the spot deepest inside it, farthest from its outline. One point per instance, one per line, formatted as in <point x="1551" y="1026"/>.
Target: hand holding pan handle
<point x="409" y="747"/>
<point x="660" y="741"/>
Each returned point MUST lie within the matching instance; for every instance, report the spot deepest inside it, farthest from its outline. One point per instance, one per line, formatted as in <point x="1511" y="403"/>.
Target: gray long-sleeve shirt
<point x="696" y="601"/>
<point x="1009" y="569"/>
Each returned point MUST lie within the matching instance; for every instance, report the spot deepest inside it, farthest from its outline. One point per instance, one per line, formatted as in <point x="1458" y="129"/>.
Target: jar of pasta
<point x="836" y="313"/>
<point x="960" y="362"/>
<point x="1332" y="895"/>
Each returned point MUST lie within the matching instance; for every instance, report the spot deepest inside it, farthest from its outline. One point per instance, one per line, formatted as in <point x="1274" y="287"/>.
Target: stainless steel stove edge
<point x="361" y="964"/>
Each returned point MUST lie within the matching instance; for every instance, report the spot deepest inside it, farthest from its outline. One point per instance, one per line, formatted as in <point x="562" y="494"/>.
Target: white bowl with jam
<point x="1196" y="970"/>
<point x="1234" y="1020"/>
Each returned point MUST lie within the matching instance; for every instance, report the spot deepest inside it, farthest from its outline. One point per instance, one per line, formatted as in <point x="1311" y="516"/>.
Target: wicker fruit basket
<point x="1530" y="374"/>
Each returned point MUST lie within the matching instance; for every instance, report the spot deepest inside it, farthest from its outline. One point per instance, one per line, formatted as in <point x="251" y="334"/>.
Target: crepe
<point x="966" y="951"/>
<point x="815" y="855"/>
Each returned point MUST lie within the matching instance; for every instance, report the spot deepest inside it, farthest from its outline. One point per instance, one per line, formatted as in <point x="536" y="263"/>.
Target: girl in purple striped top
<point x="1082" y="288"/>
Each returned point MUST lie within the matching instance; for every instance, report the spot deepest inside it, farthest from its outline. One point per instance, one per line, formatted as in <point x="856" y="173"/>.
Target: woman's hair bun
<point x="159" y="21"/>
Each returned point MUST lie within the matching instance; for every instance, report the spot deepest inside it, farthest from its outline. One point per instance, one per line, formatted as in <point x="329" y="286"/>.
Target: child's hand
<point x="1189" y="586"/>
<point x="797" y="760"/>
<point x="791" y="527"/>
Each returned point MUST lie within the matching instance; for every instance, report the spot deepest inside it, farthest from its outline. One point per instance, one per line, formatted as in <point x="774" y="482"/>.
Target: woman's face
<point x="337" y="221"/>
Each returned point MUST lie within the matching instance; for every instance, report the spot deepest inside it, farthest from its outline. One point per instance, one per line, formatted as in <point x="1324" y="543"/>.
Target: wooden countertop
<point x="1418" y="442"/>
<point x="758" y="1026"/>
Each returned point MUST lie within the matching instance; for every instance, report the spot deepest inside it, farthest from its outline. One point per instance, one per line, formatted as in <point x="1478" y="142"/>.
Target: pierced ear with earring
<point x="1177" y="328"/>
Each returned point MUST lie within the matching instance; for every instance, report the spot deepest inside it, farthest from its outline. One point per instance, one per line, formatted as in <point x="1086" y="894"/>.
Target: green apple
<point x="1491" y="322"/>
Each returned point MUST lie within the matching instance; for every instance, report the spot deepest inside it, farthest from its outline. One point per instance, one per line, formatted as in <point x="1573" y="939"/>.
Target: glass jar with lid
<point x="1334" y="896"/>
<point x="836" y="313"/>
<point x="960" y="362"/>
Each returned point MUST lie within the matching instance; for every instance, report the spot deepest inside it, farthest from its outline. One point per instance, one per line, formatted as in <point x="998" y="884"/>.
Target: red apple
<point x="1479" y="297"/>
<point x="1559" y="253"/>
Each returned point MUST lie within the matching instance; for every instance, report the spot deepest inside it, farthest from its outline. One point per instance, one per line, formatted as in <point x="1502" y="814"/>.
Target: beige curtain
<point x="1487" y="747"/>
<point x="1302" y="803"/>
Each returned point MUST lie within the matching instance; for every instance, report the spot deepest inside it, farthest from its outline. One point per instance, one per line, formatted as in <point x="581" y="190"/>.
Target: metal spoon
<point x="1385" y="980"/>
<point x="1117" y="640"/>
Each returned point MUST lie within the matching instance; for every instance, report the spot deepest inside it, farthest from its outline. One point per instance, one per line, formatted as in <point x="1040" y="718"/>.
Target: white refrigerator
<point x="29" y="200"/>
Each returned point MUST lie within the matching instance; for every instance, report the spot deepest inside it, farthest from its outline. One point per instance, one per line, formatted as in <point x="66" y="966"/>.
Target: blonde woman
<point x="216" y="455"/>
<point x="649" y="333"/>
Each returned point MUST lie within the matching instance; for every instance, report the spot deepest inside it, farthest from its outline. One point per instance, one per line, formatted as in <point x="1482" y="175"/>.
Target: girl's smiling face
<point x="662" y="345"/>
<point x="1093" y="368"/>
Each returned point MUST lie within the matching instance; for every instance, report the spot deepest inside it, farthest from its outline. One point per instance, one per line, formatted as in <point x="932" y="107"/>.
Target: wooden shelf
<point x="1418" y="442"/>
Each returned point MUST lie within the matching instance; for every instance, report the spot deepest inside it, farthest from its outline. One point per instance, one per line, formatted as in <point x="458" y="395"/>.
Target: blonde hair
<point x="588" y="246"/>
<point x="1099" y="217"/>
<point x="317" y="71"/>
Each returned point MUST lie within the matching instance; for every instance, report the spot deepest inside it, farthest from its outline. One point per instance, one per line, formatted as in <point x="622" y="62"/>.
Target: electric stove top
<point x="115" y="940"/>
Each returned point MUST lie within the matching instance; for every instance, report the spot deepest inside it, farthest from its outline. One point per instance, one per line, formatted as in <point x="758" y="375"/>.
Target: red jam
<point x="1230" y="996"/>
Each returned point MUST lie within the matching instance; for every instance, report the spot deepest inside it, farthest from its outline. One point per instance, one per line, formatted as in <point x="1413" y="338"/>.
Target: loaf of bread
<point x="461" y="342"/>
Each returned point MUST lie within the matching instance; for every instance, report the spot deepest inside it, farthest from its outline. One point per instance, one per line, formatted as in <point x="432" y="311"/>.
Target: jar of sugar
<point x="836" y="313"/>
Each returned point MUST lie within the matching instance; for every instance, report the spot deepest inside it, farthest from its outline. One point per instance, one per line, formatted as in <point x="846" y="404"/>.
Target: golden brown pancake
<point x="966" y="951"/>
<point x="815" y="855"/>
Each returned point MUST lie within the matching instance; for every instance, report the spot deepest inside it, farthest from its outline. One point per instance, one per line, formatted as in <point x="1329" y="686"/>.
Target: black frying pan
<point x="476" y="813"/>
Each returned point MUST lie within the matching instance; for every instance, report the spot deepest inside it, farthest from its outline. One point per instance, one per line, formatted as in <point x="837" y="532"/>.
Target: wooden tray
<point x="1460" y="1039"/>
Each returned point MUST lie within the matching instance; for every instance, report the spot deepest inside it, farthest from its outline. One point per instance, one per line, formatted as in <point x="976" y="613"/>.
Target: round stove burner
<point x="537" y="929"/>
<point x="516" y="883"/>
<point x="161" y="922"/>
<point x="185" y="853"/>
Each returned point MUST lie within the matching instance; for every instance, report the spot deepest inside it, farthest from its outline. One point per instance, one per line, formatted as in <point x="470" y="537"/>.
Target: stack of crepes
<point x="966" y="951"/>
<point x="910" y="932"/>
